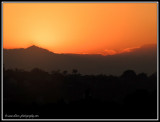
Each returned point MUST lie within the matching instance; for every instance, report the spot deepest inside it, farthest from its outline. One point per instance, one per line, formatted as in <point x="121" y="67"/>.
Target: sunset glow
<point x="92" y="28"/>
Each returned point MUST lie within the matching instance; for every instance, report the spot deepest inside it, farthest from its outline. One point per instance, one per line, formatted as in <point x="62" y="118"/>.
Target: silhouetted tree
<point x="142" y="76"/>
<point x="65" y="72"/>
<point x="129" y="75"/>
<point x="74" y="71"/>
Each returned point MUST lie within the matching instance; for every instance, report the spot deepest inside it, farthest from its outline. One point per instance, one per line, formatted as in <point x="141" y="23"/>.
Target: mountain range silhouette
<point x="143" y="59"/>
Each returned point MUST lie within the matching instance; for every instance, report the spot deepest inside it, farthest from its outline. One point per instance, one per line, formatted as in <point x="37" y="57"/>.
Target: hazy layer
<point x="143" y="59"/>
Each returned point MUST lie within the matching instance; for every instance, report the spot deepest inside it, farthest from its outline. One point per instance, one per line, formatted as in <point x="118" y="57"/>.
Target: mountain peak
<point x="35" y="48"/>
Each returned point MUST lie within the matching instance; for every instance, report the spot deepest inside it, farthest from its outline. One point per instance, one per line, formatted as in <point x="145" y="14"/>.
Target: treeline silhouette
<point x="63" y="95"/>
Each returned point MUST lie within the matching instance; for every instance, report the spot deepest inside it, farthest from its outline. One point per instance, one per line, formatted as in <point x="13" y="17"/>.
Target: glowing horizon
<point x="80" y="28"/>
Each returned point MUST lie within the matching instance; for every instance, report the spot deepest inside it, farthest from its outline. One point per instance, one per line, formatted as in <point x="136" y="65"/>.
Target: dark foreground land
<point x="59" y="95"/>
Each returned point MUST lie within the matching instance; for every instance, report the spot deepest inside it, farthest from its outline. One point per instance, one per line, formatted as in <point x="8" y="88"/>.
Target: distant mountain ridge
<point x="32" y="48"/>
<point x="143" y="59"/>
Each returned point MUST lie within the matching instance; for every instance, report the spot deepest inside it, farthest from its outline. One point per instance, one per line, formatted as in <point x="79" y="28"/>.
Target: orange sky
<point x="79" y="27"/>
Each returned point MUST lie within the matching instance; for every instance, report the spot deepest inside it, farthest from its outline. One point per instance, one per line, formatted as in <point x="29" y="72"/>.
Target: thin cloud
<point x="126" y="50"/>
<point x="109" y="52"/>
<point x="114" y="52"/>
